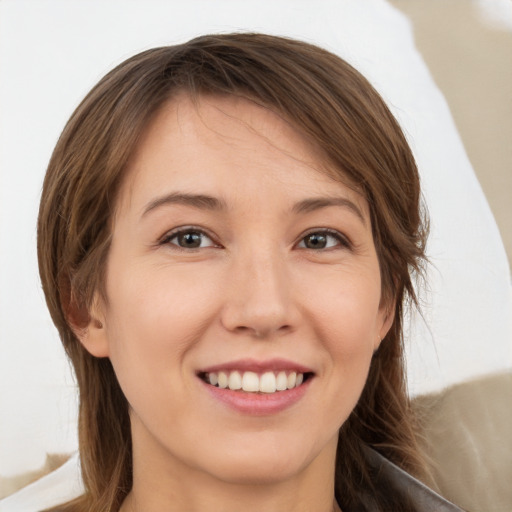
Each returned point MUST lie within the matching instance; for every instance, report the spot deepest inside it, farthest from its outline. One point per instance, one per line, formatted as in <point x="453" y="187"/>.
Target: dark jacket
<point x="405" y="488"/>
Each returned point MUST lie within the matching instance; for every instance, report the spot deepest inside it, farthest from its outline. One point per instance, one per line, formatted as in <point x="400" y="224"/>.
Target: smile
<point x="252" y="382"/>
<point x="257" y="388"/>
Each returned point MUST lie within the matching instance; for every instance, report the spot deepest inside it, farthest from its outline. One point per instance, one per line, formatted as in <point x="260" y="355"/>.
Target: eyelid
<point x="343" y="240"/>
<point x="169" y="235"/>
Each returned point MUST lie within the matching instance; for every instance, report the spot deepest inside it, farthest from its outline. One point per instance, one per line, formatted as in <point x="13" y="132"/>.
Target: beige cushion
<point x="468" y="436"/>
<point x="11" y="484"/>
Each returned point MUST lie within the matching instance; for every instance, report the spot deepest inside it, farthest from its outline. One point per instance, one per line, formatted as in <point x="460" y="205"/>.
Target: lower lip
<point x="258" y="404"/>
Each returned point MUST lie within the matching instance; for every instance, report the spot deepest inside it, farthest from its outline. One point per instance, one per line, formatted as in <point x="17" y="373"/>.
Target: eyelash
<point x="166" y="239"/>
<point x="342" y="241"/>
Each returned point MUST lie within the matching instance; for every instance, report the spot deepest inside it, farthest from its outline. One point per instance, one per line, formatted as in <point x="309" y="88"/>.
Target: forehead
<point x="231" y="121"/>
<point x="226" y="144"/>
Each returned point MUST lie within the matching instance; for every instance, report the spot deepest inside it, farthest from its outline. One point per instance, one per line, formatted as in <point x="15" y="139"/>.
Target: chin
<point x="271" y="464"/>
<point x="261" y="471"/>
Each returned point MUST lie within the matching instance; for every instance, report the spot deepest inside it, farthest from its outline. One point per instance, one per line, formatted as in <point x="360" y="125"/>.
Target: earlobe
<point x="387" y="322"/>
<point x="89" y="327"/>
<point x="94" y="338"/>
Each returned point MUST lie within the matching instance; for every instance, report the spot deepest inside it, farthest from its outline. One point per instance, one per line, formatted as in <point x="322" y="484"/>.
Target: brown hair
<point x="323" y="97"/>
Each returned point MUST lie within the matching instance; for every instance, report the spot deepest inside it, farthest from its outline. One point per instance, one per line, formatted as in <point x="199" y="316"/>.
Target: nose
<point x="259" y="297"/>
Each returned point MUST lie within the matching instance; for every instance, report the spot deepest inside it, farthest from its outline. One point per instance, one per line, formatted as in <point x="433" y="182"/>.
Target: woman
<point x="228" y="231"/>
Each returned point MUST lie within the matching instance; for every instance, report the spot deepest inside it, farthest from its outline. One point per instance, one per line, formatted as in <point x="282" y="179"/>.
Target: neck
<point x="250" y="500"/>
<point x="160" y="486"/>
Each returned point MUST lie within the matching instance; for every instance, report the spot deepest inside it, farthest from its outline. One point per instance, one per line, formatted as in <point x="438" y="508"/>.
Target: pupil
<point x="316" y="241"/>
<point x="190" y="240"/>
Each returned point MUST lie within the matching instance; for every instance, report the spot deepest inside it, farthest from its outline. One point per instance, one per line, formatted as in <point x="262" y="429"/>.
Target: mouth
<point x="255" y="387"/>
<point x="267" y="382"/>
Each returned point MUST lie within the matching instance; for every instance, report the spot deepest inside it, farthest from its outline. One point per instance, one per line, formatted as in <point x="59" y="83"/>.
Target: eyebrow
<point x="317" y="203"/>
<point x="205" y="202"/>
<point x="200" y="201"/>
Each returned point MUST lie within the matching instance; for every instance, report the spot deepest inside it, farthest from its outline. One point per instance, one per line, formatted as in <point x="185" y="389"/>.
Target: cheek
<point x="347" y="323"/>
<point x="154" y="320"/>
<point x="347" y="312"/>
<point x="160" y="299"/>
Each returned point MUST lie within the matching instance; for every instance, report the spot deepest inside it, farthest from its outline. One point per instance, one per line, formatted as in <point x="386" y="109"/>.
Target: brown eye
<point x="322" y="240"/>
<point x="189" y="239"/>
<point x="315" y="241"/>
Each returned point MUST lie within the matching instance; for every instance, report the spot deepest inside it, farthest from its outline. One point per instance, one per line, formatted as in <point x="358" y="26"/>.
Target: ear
<point x="89" y="326"/>
<point x="386" y="318"/>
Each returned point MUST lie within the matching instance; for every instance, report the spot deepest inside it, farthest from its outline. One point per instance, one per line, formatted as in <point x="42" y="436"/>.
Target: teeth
<point x="268" y="383"/>
<point x="292" y="379"/>
<point x="235" y="381"/>
<point x="251" y="382"/>
<point x="223" y="380"/>
<point x="281" y="381"/>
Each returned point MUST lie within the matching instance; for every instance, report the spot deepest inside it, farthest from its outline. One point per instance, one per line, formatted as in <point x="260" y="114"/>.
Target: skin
<point x="252" y="289"/>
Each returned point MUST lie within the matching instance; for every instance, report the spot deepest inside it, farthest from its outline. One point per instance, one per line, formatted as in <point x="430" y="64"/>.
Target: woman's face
<point x="236" y="261"/>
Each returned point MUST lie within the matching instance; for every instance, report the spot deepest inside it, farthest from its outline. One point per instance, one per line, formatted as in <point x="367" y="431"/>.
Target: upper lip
<point x="253" y="365"/>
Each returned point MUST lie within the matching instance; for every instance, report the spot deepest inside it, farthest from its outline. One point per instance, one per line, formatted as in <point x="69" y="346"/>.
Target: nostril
<point x="262" y="333"/>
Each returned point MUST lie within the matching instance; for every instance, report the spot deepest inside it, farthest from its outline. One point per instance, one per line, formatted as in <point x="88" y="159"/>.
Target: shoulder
<point x="410" y="490"/>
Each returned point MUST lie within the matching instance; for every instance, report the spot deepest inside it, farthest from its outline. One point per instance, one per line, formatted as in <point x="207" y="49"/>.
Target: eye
<point x="188" y="238"/>
<point x="323" y="240"/>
